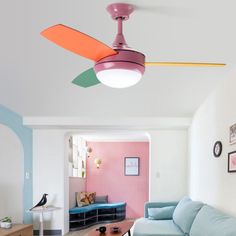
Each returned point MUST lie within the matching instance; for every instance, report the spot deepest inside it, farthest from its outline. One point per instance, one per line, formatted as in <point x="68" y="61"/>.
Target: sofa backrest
<point x="185" y="213"/>
<point x="210" y="221"/>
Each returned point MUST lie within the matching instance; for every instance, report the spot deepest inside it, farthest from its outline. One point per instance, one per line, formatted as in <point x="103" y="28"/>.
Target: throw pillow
<point x="85" y="198"/>
<point x="185" y="213"/>
<point x="163" y="213"/>
<point x="91" y="197"/>
<point x="101" y="199"/>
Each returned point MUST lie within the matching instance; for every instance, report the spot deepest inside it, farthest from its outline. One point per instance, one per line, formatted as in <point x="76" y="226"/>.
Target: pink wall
<point x="110" y="180"/>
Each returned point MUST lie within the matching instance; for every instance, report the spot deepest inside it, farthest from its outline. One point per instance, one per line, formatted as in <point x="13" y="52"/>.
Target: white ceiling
<point x="36" y="75"/>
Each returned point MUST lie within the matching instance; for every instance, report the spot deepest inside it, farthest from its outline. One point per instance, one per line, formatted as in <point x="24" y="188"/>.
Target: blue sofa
<point x="184" y="218"/>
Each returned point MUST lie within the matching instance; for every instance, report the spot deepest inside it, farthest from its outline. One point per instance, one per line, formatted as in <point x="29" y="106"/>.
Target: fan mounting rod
<point x="120" y="12"/>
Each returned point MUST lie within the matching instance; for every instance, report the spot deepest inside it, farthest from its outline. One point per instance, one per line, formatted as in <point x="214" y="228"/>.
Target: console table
<point x="83" y="217"/>
<point x="17" y="230"/>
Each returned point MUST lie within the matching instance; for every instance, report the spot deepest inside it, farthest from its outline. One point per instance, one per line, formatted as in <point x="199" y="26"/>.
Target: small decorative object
<point x="6" y="222"/>
<point x="88" y="151"/>
<point x="102" y="229"/>
<point x="98" y="162"/>
<point x="232" y="162"/>
<point x="42" y="202"/>
<point x="217" y="149"/>
<point x="232" y="134"/>
<point x="115" y="229"/>
<point x="83" y="172"/>
<point x="70" y="142"/>
<point x="132" y="166"/>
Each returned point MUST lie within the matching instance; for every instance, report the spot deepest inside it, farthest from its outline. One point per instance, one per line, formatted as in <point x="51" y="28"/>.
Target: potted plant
<point x="6" y="222"/>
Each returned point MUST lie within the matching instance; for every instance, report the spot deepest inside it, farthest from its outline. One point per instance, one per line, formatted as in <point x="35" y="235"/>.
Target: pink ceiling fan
<point x="116" y="67"/>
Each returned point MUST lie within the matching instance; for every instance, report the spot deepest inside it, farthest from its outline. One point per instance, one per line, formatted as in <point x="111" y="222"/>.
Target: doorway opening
<point x="102" y="162"/>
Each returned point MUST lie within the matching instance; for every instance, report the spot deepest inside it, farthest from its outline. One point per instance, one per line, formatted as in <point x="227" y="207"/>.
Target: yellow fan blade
<point x="189" y="64"/>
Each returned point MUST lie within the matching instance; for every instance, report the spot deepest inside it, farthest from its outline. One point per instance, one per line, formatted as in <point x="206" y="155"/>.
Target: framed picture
<point x="232" y="134"/>
<point x="132" y="166"/>
<point x="232" y="162"/>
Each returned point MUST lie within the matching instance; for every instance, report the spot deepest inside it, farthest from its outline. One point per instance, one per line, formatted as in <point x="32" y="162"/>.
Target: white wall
<point x="76" y="184"/>
<point x="168" y="165"/>
<point x="11" y="175"/>
<point x="48" y="174"/>
<point x="209" y="180"/>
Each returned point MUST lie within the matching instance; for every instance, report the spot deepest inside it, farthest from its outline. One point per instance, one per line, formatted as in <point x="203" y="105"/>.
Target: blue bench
<point x="83" y="217"/>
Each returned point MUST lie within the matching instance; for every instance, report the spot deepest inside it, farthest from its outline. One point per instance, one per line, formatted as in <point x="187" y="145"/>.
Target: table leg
<point x="41" y="224"/>
<point x="129" y="233"/>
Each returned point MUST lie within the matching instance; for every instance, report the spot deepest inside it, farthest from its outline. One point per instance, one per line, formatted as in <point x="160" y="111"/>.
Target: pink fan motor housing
<point x="125" y="59"/>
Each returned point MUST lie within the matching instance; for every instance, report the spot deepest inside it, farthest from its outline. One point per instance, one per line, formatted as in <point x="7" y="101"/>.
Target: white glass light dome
<point x="119" y="78"/>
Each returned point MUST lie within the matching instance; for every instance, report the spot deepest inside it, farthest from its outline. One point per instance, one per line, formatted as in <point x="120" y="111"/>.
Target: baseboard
<point x="49" y="232"/>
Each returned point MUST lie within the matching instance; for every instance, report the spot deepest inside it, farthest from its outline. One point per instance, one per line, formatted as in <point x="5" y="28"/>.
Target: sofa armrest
<point x="157" y="205"/>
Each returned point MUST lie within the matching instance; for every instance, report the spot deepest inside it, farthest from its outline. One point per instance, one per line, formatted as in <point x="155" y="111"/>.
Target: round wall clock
<point x="217" y="149"/>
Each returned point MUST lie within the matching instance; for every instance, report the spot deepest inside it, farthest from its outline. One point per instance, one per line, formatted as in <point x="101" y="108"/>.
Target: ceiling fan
<point x="117" y="67"/>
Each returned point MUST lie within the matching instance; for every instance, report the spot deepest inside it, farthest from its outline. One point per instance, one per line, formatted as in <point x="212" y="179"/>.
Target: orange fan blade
<point x="189" y="64"/>
<point x="77" y="42"/>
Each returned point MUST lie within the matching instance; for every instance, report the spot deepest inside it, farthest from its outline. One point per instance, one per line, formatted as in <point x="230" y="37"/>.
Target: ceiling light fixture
<point x="125" y="68"/>
<point x="117" y="67"/>
<point x="122" y="70"/>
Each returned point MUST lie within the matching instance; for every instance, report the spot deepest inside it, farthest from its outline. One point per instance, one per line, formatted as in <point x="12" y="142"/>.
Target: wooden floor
<point x="85" y="231"/>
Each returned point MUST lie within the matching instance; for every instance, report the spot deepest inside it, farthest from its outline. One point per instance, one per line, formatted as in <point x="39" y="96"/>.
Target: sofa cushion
<point x="157" y="205"/>
<point x="210" y="221"/>
<point x="185" y="213"/>
<point x="161" y="213"/>
<point x="101" y="199"/>
<point x="146" y="227"/>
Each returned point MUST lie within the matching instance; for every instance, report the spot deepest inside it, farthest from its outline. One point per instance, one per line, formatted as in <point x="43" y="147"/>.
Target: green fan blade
<point x="86" y="79"/>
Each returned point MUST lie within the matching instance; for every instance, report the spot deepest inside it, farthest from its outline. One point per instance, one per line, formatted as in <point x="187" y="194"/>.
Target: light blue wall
<point x="14" y="122"/>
